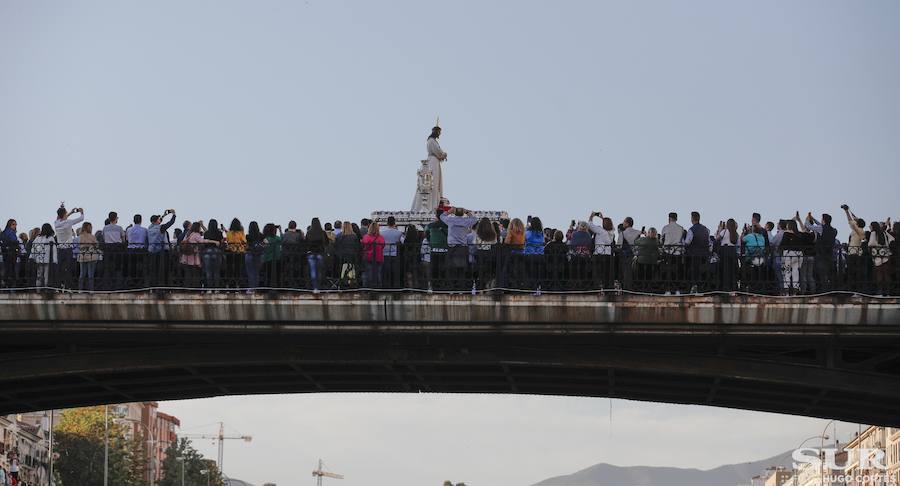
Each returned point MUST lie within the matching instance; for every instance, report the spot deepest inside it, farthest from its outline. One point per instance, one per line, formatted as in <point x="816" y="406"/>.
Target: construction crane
<point x="220" y="438"/>
<point x="320" y="473"/>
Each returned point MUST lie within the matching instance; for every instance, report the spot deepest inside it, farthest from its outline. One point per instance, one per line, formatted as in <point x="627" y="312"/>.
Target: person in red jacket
<point x="373" y="256"/>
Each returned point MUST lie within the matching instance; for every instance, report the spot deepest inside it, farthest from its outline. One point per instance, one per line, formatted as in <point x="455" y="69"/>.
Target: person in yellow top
<point x="235" y="246"/>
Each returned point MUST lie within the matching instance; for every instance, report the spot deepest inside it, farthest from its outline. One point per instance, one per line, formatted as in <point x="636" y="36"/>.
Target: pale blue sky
<point x="275" y="110"/>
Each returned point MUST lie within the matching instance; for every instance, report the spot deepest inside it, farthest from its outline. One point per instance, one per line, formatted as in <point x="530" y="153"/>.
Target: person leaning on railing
<point x="486" y="241"/>
<point x="235" y="246"/>
<point x="672" y="241"/>
<point x="412" y="254"/>
<point x="791" y="258"/>
<point x="190" y="253"/>
<point x="88" y="255"/>
<point x="628" y="234"/>
<point x="879" y="247"/>
<point x="212" y="255"/>
<point x="556" y="252"/>
<point x="580" y="247"/>
<point x="728" y="243"/>
<point x="316" y="241"/>
<point x="511" y="254"/>
<point x="393" y="268"/>
<point x="436" y="236"/>
<point x="894" y="247"/>
<point x="646" y="248"/>
<point x="9" y="249"/>
<point x="806" y="239"/>
<point x="753" y="264"/>
<point x="534" y="251"/>
<point x="459" y="223"/>
<point x="696" y="249"/>
<point x="158" y="248"/>
<point x="372" y="255"/>
<point x="43" y="253"/>
<point x="293" y="242"/>
<point x="604" y="242"/>
<point x="826" y="236"/>
<point x="114" y="249"/>
<point x="256" y="243"/>
<point x="346" y="252"/>
<point x="272" y="254"/>
<point x="856" y="261"/>
<point x="63" y="227"/>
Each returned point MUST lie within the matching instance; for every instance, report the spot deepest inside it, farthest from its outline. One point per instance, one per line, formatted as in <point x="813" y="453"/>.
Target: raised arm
<point x="168" y="225"/>
<point x="77" y="220"/>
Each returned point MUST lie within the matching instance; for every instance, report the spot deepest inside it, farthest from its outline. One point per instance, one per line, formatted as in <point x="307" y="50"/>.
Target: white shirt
<point x="603" y="240"/>
<point x="673" y="239"/>
<point x="724" y="237"/>
<point x="63" y="228"/>
<point x="392" y="239"/>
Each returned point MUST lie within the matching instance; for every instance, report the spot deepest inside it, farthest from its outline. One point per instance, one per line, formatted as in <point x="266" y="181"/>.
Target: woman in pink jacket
<point x="373" y="256"/>
<point x="190" y="253"/>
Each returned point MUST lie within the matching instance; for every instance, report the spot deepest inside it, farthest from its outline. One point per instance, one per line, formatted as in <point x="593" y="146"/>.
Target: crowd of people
<point x="11" y="477"/>
<point x="456" y="251"/>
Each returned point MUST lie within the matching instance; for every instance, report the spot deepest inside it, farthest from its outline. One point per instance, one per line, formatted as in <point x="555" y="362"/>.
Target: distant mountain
<point x="236" y="482"/>
<point x="609" y="475"/>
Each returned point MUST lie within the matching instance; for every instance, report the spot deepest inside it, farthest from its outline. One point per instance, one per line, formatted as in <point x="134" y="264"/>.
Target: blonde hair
<point x="347" y="228"/>
<point x="515" y="235"/>
<point x="373" y="229"/>
<point x="86" y="228"/>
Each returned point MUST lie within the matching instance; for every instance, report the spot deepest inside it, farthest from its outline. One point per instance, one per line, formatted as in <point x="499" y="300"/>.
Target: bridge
<point x="835" y="356"/>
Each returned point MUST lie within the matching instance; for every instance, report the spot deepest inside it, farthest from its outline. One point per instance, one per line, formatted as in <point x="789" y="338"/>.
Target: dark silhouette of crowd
<point x="456" y="251"/>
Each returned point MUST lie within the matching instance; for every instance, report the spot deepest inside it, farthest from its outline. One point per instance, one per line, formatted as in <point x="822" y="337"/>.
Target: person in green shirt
<point x="271" y="257"/>
<point x="436" y="234"/>
<point x="646" y="254"/>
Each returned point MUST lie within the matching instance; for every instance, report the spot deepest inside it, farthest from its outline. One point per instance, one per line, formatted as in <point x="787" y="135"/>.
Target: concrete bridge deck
<point x="835" y="356"/>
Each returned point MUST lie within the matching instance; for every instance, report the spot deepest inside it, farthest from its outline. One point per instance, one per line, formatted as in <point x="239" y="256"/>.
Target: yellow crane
<point x="320" y="473"/>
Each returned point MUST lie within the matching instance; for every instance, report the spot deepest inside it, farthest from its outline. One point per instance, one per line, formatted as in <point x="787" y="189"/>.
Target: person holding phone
<point x="64" y="237"/>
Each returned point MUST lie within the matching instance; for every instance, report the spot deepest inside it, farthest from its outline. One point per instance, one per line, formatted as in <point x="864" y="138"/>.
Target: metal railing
<point x="557" y="266"/>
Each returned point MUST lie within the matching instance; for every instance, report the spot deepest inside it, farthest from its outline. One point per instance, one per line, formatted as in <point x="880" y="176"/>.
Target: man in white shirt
<point x="64" y="236"/>
<point x="673" y="236"/>
<point x="392" y="274"/>
<point x="673" y="249"/>
<point x="113" y="252"/>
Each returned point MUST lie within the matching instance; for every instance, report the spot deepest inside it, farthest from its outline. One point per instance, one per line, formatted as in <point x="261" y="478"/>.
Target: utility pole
<point x="106" y="445"/>
<point x="50" y="479"/>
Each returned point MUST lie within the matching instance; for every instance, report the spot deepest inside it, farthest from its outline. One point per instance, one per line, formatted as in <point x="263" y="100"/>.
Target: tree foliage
<point x="79" y="438"/>
<point x="194" y="464"/>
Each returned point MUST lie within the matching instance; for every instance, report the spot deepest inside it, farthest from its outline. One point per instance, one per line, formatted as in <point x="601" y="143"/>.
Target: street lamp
<point x="821" y="454"/>
<point x="823" y="437"/>
<point x="181" y="460"/>
<point x="206" y="473"/>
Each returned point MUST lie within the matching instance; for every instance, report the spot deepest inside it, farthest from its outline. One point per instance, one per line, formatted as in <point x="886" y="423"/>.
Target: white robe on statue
<point x="431" y="202"/>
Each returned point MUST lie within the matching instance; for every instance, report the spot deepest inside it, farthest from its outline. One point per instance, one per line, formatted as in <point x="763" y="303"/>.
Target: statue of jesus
<point x="428" y="198"/>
